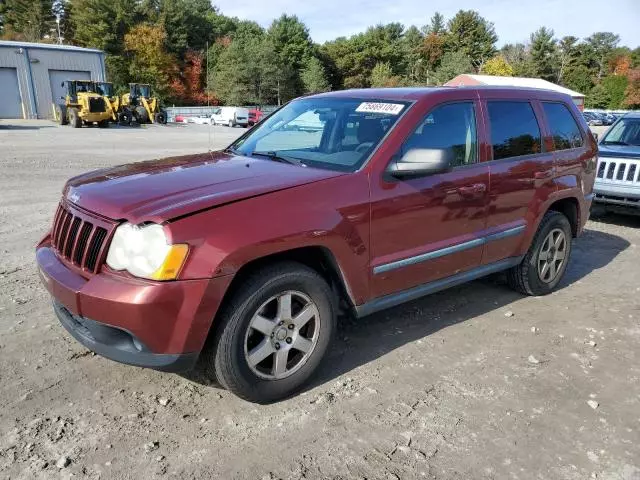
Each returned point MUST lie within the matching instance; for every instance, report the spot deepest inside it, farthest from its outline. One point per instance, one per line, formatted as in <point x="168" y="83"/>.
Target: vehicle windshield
<point x="143" y="90"/>
<point x="624" y="132"/>
<point x="105" y="89"/>
<point x="332" y="133"/>
<point x="84" y="86"/>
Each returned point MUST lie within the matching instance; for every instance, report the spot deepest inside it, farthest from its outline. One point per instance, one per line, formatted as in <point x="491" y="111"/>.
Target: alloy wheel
<point x="282" y="334"/>
<point x="552" y="255"/>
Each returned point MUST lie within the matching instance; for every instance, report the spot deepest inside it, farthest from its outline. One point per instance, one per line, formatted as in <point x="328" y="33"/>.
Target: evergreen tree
<point x="28" y="20"/>
<point x="473" y="36"/>
<point x="314" y="77"/>
<point x="452" y="65"/>
<point x="544" y="54"/>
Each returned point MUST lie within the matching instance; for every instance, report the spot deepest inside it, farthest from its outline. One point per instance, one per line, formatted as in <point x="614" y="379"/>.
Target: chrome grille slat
<point x="78" y="239"/>
<point x="618" y="170"/>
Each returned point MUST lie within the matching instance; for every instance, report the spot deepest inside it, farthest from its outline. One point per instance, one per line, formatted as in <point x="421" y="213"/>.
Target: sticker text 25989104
<point x="388" y="108"/>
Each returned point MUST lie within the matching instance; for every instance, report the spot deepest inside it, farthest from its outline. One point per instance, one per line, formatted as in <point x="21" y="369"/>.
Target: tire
<point x="231" y="124"/>
<point x="103" y="124"/>
<point x="160" y="118"/>
<point x="529" y="277"/>
<point x="141" y="115"/>
<point x="74" y="118"/>
<point x="61" y="114"/>
<point x="228" y="357"/>
<point x="124" y="117"/>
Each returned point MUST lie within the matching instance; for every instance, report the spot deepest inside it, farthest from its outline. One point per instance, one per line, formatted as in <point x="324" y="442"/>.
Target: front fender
<point x="332" y="214"/>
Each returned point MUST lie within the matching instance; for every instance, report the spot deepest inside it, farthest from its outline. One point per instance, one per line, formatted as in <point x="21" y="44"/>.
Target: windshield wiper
<point x="231" y="150"/>
<point x="277" y="158"/>
<point x="614" y="142"/>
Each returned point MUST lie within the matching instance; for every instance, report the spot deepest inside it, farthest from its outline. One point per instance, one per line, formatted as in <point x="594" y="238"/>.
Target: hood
<point x="619" y="151"/>
<point x="160" y="190"/>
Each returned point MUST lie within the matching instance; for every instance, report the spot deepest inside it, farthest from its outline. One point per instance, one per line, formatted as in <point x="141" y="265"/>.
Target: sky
<point x="514" y="20"/>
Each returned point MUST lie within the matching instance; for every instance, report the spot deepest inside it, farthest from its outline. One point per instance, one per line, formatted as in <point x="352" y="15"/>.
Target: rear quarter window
<point x="514" y="129"/>
<point x="564" y="129"/>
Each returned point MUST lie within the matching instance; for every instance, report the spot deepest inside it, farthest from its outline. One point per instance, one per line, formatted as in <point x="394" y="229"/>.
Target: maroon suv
<point x="252" y="251"/>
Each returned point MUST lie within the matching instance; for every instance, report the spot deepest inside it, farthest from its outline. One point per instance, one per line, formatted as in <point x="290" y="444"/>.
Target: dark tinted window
<point x="514" y="129"/>
<point x="449" y="126"/>
<point x="564" y="129"/>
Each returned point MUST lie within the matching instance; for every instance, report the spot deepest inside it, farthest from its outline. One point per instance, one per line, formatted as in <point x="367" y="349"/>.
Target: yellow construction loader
<point x="138" y="105"/>
<point x="106" y="90"/>
<point x="82" y="105"/>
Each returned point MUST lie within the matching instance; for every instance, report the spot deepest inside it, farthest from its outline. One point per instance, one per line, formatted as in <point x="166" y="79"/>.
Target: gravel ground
<point x="474" y="382"/>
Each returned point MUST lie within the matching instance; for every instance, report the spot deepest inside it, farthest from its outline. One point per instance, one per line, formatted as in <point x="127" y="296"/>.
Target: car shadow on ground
<point x="631" y="220"/>
<point x="24" y="127"/>
<point x="360" y="341"/>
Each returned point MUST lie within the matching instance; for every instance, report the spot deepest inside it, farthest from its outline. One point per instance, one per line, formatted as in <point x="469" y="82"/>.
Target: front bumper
<point x="119" y="345"/>
<point x="159" y="325"/>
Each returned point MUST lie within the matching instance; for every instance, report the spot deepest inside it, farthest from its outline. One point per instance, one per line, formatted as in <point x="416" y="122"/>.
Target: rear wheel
<point x="231" y="124"/>
<point x="273" y="333"/>
<point x="141" y="115"/>
<point x="160" y="118"/>
<point x="546" y="261"/>
<point x="61" y="114"/>
<point x="74" y="118"/>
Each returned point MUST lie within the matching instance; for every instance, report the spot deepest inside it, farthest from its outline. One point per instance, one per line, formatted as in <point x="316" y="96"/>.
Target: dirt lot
<point x="475" y="382"/>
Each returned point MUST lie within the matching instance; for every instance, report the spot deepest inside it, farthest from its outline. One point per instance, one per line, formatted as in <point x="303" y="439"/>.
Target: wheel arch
<point x="570" y="208"/>
<point x="317" y="257"/>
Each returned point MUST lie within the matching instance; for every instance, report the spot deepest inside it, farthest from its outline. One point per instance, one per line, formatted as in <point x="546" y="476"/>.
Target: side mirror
<point x="597" y="137"/>
<point x="421" y="161"/>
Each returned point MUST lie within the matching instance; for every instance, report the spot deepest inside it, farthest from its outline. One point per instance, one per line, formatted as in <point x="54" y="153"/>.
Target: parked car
<point x="231" y="116"/>
<point x="617" y="184"/>
<point x="254" y="117"/>
<point x="202" y="119"/>
<point x="243" y="259"/>
<point x="592" y="119"/>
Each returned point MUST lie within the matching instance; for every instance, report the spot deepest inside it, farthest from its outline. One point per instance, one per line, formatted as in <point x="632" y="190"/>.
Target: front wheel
<point x="274" y="333"/>
<point x="546" y="262"/>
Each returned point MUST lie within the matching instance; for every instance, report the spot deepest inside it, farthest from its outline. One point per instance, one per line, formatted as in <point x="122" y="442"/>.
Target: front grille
<point x="96" y="105"/>
<point x="623" y="171"/>
<point x="78" y="240"/>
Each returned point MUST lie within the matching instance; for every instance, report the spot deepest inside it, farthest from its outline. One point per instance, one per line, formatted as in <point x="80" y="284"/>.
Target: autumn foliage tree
<point x="151" y="63"/>
<point x="632" y="94"/>
<point x="497" y="65"/>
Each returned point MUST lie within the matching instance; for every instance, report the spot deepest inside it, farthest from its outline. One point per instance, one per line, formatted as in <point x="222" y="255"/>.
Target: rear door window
<point x="564" y="129"/>
<point x="514" y="129"/>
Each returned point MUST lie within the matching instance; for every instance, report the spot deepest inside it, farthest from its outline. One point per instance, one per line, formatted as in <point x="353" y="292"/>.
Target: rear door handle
<point x="472" y="190"/>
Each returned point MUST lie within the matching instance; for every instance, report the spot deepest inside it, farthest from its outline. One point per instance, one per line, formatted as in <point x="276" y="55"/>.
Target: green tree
<point x="567" y="56"/>
<point x="544" y="55"/>
<point x="382" y="76"/>
<point x="437" y="25"/>
<point x="579" y="79"/>
<point x="314" y="78"/>
<point x="615" y="86"/>
<point x="473" y="36"/>
<point x="598" y="97"/>
<point x="452" y="64"/>
<point x="27" y="20"/>
<point x="497" y="65"/>
<point x="602" y="45"/>
<point x="519" y="57"/>
<point x="151" y="63"/>
<point x="411" y="44"/>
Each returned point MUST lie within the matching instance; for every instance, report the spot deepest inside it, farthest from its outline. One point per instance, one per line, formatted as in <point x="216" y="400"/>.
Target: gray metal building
<point x="31" y="75"/>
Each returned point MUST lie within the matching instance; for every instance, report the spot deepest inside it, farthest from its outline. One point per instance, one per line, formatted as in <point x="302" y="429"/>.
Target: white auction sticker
<point x="388" y="108"/>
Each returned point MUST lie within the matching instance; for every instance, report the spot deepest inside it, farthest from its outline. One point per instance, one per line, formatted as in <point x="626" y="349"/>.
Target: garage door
<point x="58" y="76"/>
<point x="10" y="101"/>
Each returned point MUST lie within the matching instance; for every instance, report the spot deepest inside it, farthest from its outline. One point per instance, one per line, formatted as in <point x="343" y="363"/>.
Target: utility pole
<point x="58" y="23"/>
<point x="207" y="83"/>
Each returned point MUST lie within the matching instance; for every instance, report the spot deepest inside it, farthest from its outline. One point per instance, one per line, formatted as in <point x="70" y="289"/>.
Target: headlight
<point x="143" y="251"/>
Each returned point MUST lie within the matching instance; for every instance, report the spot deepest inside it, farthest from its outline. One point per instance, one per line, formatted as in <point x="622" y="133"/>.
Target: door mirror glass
<point x="422" y="161"/>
